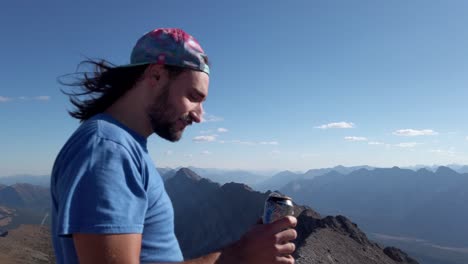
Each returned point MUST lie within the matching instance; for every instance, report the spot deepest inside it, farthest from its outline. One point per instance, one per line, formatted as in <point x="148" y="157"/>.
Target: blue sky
<point x="294" y="85"/>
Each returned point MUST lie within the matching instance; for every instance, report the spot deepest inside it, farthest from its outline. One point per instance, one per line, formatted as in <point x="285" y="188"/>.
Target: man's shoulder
<point x="98" y="142"/>
<point x="94" y="136"/>
<point x="103" y="129"/>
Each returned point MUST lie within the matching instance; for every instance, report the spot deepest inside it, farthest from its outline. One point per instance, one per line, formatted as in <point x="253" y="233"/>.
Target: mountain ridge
<point x="390" y="200"/>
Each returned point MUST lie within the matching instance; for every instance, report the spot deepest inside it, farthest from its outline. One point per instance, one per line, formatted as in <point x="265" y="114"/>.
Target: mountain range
<point x="282" y="178"/>
<point x="209" y="216"/>
<point x="41" y="180"/>
<point x="259" y="180"/>
<point x="221" y="176"/>
<point x="25" y="195"/>
<point x="422" y="205"/>
<point x="422" y="211"/>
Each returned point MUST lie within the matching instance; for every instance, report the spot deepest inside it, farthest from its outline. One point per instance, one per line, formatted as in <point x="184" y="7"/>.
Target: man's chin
<point x="172" y="137"/>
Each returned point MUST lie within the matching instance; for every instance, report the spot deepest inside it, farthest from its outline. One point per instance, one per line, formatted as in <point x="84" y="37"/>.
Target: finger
<point x="287" y="248"/>
<point x="284" y="260"/>
<point x="283" y="223"/>
<point x="286" y="236"/>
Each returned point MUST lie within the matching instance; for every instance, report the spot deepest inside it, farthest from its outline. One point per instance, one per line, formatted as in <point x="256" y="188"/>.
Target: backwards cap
<point x="169" y="46"/>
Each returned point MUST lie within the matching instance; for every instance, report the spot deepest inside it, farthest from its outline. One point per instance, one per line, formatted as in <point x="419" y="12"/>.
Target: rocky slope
<point x="338" y="240"/>
<point x="27" y="244"/>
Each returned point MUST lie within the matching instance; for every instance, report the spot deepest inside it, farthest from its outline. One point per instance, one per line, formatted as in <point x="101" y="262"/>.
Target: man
<point x="109" y="202"/>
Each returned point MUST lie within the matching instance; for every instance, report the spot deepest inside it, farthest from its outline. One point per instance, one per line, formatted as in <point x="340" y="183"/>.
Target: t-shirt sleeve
<point x="102" y="191"/>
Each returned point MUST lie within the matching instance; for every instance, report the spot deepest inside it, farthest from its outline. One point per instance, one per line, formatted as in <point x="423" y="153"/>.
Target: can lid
<point x="278" y="197"/>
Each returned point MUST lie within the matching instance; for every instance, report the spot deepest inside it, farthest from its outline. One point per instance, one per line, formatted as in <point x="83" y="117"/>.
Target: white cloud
<point x="375" y="143"/>
<point x="466" y="138"/>
<point x="336" y="125"/>
<point x="4" y="99"/>
<point x="252" y="143"/>
<point x="222" y="130"/>
<point x="355" y="139"/>
<point x="242" y="142"/>
<point x="204" y="138"/>
<point x="206" y="131"/>
<point x="42" y="98"/>
<point x="168" y="152"/>
<point x="413" y="132"/>
<point x="188" y="156"/>
<point x="211" y="118"/>
<point x="269" y="143"/>
<point x="206" y="152"/>
<point x="407" y="145"/>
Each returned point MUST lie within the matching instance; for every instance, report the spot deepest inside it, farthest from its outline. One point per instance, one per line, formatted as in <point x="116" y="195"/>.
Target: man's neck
<point x="131" y="116"/>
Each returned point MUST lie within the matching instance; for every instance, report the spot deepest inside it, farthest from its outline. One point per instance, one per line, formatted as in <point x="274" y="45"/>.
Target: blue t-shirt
<point x="104" y="182"/>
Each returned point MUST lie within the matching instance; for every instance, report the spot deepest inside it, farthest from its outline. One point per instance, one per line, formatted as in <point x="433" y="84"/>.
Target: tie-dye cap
<point x="169" y="46"/>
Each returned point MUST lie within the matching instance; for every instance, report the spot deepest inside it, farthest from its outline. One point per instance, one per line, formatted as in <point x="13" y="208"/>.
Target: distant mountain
<point x="456" y="167"/>
<point x="209" y="216"/>
<point x="459" y="168"/>
<point x="401" y="202"/>
<point x="278" y="181"/>
<point x="167" y="173"/>
<point x="24" y="195"/>
<point x="41" y="180"/>
<point x="226" y="176"/>
<point x="220" y="176"/>
<point x="346" y="170"/>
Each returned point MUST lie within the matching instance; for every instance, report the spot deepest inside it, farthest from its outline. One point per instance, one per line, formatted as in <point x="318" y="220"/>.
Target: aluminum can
<point x="277" y="206"/>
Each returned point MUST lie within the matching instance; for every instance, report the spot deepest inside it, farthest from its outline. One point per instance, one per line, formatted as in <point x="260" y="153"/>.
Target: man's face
<point x="179" y="104"/>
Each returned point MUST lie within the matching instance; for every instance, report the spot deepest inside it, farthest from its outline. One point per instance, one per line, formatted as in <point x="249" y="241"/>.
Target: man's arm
<point x="121" y="248"/>
<point x="108" y="249"/>
<point x="263" y="244"/>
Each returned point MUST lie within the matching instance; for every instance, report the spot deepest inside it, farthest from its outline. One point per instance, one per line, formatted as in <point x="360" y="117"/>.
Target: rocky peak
<point x="185" y="173"/>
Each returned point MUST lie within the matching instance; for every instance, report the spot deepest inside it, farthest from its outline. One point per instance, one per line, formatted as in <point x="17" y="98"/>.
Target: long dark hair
<point x="103" y="86"/>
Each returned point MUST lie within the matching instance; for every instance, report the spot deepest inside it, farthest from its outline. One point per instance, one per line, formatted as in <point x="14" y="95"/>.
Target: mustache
<point x="187" y="119"/>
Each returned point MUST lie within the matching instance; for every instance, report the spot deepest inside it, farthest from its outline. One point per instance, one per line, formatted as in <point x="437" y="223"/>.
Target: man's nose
<point x="197" y="114"/>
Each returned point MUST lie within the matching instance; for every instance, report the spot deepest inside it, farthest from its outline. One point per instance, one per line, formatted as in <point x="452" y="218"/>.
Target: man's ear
<point x="156" y="75"/>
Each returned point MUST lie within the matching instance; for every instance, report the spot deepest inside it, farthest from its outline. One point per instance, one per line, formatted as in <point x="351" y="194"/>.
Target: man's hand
<point x="264" y="244"/>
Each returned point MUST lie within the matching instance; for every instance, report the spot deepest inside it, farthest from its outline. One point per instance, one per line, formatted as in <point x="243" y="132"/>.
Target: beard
<point x="164" y="118"/>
